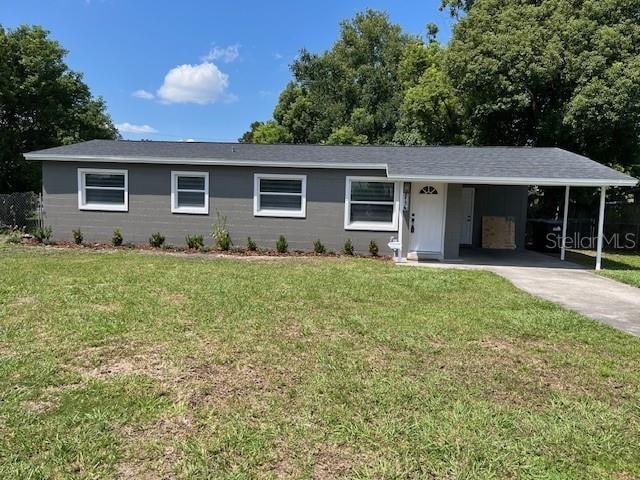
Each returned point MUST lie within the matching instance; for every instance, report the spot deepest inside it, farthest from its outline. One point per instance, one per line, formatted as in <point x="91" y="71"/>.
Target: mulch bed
<point x="233" y="252"/>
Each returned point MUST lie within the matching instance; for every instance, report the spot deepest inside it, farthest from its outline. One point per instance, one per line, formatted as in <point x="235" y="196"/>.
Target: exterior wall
<point x="500" y="200"/>
<point x="453" y="221"/>
<point x="230" y="192"/>
<point x="405" y="216"/>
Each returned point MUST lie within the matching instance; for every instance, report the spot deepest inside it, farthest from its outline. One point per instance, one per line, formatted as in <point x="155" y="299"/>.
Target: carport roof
<point x="455" y="164"/>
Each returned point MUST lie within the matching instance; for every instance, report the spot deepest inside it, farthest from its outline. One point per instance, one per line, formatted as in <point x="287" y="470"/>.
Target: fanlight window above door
<point x="429" y="190"/>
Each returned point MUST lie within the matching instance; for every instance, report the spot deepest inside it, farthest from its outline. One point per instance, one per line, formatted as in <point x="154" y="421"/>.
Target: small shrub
<point x="129" y="245"/>
<point x="348" y="247"/>
<point x="220" y="233"/>
<point x="195" y="242"/>
<point x="373" y="248"/>
<point x="15" y="235"/>
<point x="42" y="234"/>
<point x="156" y="240"/>
<point x="252" y="246"/>
<point x="318" y="247"/>
<point x="281" y="244"/>
<point x="77" y="236"/>
<point x="116" y="239"/>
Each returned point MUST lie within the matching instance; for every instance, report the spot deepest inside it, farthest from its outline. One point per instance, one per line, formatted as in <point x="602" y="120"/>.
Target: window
<point x="100" y="189"/>
<point x="371" y="203"/>
<point x="429" y="190"/>
<point x="280" y="195"/>
<point x="190" y="192"/>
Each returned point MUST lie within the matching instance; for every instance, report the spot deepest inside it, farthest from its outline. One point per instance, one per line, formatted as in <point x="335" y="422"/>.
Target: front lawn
<point x="137" y="365"/>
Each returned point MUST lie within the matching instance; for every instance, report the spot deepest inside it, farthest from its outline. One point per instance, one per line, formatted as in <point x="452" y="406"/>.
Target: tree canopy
<point x="551" y="73"/>
<point x="516" y="72"/>
<point x="375" y="85"/>
<point x="42" y="104"/>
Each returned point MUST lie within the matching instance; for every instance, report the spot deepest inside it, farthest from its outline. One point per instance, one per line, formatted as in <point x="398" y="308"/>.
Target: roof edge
<point x="525" y="181"/>
<point x="200" y="161"/>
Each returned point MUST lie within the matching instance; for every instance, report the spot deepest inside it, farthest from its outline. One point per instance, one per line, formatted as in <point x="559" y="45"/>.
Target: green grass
<point x="130" y="365"/>
<point x="624" y="267"/>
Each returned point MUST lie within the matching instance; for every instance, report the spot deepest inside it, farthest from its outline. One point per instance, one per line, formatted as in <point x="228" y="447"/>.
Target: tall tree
<point x="42" y="104"/>
<point x="350" y="91"/>
<point x="551" y="73"/>
<point x="431" y="110"/>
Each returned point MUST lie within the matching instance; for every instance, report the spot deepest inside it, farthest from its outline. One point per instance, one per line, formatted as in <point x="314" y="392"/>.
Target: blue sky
<point x="202" y="70"/>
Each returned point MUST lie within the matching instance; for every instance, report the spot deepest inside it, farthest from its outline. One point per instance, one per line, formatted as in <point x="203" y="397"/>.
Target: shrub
<point x="251" y="245"/>
<point x="281" y="244"/>
<point x="15" y="235"/>
<point x="42" y="234"/>
<point x="373" y="248"/>
<point x="318" y="247"/>
<point x="220" y="233"/>
<point x="156" y="240"/>
<point x="348" y="247"/>
<point x="116" y="239"/>
<point x="195" y="242"/>
<point x="77" y="236"/>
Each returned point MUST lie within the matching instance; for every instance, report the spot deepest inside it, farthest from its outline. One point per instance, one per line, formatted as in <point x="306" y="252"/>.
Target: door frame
<point x="473" y="211"/>
<point x="416" y="254"/>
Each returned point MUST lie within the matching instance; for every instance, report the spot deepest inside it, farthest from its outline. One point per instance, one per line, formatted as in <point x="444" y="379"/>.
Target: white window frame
<point x="109" y="207"/>
<point x="371" y="226"/>
<point x="174" y="192"/>
<point x="274" y="212"/>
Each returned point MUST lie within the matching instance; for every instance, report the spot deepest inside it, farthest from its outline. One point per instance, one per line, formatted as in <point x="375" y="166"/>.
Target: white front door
<point x="468" y="198"/>
<point x="426" y="222"/>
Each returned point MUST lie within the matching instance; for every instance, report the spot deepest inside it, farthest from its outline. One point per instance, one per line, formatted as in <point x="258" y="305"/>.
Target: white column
<point x="603" y="191"/>
<point x="564" y="223"/>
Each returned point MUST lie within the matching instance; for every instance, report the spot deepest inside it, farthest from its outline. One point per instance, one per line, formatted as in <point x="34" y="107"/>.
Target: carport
<point x="436" y="187"/>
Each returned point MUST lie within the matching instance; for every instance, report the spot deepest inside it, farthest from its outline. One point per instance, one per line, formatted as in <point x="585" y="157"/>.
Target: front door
<point x="468" y="198"/>
<point x="426" y="223"/>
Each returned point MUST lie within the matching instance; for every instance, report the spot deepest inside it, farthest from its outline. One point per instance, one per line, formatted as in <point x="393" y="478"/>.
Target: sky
<point x="197" y="70"/>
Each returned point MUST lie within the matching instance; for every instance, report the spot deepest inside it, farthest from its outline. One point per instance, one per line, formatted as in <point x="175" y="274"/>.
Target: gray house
<point x="430" y="200"/>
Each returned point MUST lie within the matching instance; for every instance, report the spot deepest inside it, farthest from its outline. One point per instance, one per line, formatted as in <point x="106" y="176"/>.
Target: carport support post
<point x="564" y="222"/>
<point x="603" y="191"/>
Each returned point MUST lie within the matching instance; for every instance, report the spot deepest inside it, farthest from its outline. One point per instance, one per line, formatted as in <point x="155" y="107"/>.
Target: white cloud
<point x="203" y="83"/>
<point x="226" y="54"/>
<point x="127" y="127"/>
<point x="278" y="56"/>
<point x="143" y="94"/>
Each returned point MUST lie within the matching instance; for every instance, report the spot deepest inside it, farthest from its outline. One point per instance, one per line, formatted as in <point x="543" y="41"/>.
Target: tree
<point x="346" y="136"/>
<point x="551" y="73"/>
<point x="42" y="104"/>
<point x="271" y="132"/>
<point x="431" y="112"/>
<point x="353" y="87"/>
<point x="455" y="7"/>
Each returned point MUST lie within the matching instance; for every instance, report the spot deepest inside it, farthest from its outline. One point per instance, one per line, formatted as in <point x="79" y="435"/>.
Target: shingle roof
<point x="524" y="165"/>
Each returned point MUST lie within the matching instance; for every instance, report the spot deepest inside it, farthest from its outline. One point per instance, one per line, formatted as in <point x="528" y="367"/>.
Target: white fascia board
<point x="202" y="161"/>
<point x="574" y="182"/>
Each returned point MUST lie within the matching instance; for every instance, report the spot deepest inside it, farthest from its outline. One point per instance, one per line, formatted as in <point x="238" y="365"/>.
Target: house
<point x="430" y="200"/>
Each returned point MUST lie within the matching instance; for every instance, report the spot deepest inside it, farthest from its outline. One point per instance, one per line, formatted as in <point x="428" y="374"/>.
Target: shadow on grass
<point x="588" y="258"/>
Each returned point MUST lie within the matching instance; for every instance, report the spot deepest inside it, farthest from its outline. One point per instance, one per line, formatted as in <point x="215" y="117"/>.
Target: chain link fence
<point x="21" y="209"/>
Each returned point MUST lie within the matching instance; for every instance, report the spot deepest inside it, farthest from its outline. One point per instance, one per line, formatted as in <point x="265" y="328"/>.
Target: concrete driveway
<point x="565" y="283"/>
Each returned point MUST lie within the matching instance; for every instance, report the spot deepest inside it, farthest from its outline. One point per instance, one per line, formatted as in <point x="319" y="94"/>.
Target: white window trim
<point x="174" y="193"/>
<point x="109" y="207"/>
<point x="371" y="226"/>
<point x="273" y="212"/>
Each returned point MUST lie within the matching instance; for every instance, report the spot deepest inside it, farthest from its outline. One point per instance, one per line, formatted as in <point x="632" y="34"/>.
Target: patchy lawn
<point x="135" y="365"/>
<point x="624" y="267"/>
